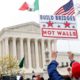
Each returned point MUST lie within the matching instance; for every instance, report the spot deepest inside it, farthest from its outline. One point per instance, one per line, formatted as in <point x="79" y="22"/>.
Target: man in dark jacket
<point x="52" y="68"/>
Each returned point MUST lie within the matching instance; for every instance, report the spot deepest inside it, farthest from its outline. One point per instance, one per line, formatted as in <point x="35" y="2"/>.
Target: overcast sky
<point x="10" y="15"/>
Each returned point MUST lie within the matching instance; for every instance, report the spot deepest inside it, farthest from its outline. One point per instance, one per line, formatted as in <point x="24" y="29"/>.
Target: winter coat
<point x="52" y="71"/>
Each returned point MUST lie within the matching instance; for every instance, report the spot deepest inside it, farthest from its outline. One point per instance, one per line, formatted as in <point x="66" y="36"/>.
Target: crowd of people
<point x="74" y="70"/>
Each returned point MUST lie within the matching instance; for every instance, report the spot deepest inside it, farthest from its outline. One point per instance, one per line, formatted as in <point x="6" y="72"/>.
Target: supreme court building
<point x="25" y="40"/>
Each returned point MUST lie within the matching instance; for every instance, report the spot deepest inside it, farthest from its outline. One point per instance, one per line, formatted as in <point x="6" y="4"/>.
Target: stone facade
<point x="24" y="40"/>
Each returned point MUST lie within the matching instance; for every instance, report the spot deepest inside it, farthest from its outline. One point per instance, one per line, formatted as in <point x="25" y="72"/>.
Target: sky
<point x="11" y="15"/>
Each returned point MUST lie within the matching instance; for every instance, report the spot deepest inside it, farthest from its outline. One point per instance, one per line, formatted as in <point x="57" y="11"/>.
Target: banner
<point x="56" y="26"/>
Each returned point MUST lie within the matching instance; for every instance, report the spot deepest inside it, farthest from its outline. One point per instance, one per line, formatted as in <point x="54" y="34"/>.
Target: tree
<point x="8" y="65"/>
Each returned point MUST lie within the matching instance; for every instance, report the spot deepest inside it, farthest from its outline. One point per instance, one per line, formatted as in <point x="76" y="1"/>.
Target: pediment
<point x="31" y="27"/>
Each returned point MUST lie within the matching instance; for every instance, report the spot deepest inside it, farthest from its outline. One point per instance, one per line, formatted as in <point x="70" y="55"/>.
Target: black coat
<point x="21" y="78"/>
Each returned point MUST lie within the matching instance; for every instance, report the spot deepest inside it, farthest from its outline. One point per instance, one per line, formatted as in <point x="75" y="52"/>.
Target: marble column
<point x="37" y="54"/>
<point x="43" y="52"/>
<point x="6" y="46"/>
<point x="0" y="49"/>
<point x="21" y="49"/>
<point x="26" y="53"/>
<point x="29" y="53"/>
<point x="55" y="45"/>
<point x="49" y="49"/>
<point x="14" y="48"/>
<point x="3" y="47"/>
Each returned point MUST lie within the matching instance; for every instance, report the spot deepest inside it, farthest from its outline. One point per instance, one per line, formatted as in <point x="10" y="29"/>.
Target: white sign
<point x="58" y="26"/>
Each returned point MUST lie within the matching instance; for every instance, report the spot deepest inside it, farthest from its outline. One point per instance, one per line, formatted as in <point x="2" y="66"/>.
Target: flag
<point x="67" y="9"/>
<point x="21" y="63"/>
<point x="24" y="7"/>
<point x="36" y="5"/>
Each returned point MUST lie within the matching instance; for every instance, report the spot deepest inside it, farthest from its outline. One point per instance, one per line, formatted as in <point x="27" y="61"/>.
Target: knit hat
<point x="76" y="70"/>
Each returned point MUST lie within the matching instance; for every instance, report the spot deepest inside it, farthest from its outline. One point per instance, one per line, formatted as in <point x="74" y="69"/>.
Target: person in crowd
<point x="41" y="78"/>
<point x="19" y="77"/>
<point x="1" y="77"/>
<point x="75" y="66"/>
<point x="33" y="77"/>
<point x="28" y="79"/>
<point x="37" y="77"/>
<point x="52" y="68"/>
<point x="71" y="57"/>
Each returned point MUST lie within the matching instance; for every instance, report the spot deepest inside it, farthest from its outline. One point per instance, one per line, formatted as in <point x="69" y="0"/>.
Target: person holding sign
<point x="52" y="68"/>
